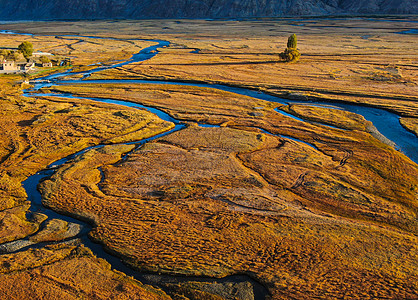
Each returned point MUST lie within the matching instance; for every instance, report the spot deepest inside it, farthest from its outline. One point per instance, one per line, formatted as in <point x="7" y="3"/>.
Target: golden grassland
<point x="358" y="61"/>
<point x="39" y="131"/>
<point x="352" y="155"/>
<point x="355" y="60"/>
<point x="334" y="217"/>
<point x="82" y="51"/>
<point x="191" y="203"/>
<point x="67" y="271"/>
<point x="411" y="124"/>
<point x="35" y="133"/>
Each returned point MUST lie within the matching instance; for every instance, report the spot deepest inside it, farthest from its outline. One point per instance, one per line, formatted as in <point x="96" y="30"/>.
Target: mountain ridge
<point x="148" y="9"/>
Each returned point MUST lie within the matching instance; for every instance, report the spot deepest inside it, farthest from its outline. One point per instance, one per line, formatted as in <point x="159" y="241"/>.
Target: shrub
<point x="44" y="59"/>
<point x="291" y="53"/>
<point x="26" y="48"/>
<point x="4" y="52"/>
<point x="15" y="55"/>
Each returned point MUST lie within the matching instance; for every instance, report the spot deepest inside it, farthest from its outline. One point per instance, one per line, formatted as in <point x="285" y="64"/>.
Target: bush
<point x="15" y="55"/>
<point x="5" y="53"/>
<point x="44" y="59"/>
<point x="291" y="53"/>
<point x="26" y="48"/>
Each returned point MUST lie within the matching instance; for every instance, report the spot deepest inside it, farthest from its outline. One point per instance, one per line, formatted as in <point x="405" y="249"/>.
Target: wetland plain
<point x="183" y="159"/>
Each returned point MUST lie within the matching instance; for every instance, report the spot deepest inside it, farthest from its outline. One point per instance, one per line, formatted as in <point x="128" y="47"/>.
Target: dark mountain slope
<point x="138" y="9"/>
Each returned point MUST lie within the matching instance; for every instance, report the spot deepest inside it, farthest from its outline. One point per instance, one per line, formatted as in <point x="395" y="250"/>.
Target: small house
<point x="9" y="66"/>
<point x="16" y="67"/>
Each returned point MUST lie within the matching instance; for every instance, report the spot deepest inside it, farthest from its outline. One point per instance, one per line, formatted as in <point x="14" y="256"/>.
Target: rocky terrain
<point x="99" y="9"/>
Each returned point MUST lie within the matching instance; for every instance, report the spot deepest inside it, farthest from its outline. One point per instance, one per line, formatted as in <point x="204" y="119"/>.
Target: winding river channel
<point x="387" y="123"/>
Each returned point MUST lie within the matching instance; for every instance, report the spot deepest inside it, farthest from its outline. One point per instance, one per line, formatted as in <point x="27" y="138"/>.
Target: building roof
<point x="42" y="53"/>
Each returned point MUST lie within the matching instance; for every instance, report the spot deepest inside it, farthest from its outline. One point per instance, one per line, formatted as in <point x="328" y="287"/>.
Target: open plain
<point x="249" y="182"/>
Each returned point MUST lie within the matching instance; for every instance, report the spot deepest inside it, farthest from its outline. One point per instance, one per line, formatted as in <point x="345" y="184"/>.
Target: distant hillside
<point x="140" y="9"/>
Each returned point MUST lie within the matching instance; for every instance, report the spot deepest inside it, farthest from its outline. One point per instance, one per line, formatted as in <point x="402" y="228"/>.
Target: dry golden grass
<point x="338" y="118"/>
<point x="67" y="272"/>
<point x="364" y="62"/>
<point x="36" y="132"/>
<point x="411" y="124"/>
<point x="14" y="224"/>
<point x="82" y="51"/>
<point x="40" y="131"/>
<point x="187" y="204"/>
<point x="51" y="128"/>
<point x="337" y="220"/>
<point x="353" y="156"/>
<point x="55" y="230"/>
<point x="182" y="102"/>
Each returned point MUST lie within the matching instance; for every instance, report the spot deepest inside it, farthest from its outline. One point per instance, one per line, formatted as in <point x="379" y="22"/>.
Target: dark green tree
<point x="26" y="48"/>
<point x="292" y="42"/>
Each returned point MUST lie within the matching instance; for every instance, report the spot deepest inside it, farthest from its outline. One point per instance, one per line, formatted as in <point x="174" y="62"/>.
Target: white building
<point x="16" y="67"/>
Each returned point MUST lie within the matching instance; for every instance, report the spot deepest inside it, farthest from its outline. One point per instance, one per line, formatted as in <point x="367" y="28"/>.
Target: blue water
<point x="387" y="123"/>
<point x="409" y="31"/>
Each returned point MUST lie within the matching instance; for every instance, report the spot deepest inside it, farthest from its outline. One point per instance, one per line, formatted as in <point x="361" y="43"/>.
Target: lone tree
<point x="291" y="53"/>
<point x="26" y="48"/>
